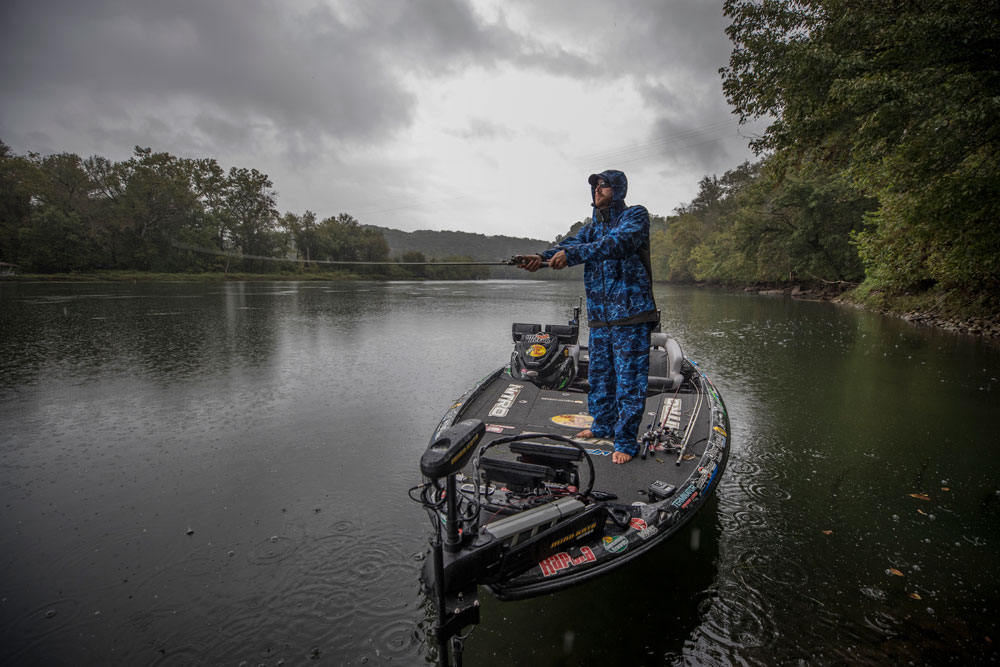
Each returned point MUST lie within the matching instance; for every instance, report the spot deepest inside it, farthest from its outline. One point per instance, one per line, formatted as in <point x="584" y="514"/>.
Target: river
<point x="216" y="473"/>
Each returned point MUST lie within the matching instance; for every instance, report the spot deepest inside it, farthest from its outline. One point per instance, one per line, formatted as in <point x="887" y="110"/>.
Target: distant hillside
<point x="479" y="247"/>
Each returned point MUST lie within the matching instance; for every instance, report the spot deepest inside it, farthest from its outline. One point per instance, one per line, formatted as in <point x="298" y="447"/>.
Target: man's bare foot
<point x="621" y="457"/>
<point x="584" y="434"/>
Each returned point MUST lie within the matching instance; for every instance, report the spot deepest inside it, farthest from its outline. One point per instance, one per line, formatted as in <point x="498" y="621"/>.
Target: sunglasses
<point x="602" y="184"/>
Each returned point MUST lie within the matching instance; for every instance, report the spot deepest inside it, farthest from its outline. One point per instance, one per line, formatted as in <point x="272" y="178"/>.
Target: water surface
<point x="217" y="474"/>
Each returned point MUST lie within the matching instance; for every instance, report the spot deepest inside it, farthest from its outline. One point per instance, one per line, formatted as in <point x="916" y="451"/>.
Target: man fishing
<point x="621" y="313"/>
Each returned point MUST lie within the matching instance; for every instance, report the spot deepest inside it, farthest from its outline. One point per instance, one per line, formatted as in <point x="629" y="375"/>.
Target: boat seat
<point x="665" y="359"/>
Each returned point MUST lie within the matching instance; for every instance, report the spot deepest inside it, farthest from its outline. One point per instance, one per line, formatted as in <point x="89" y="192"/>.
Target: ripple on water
<point x="738" y="517"/>
<point x="396" y="639"/>
<point x="774" y="568"/>
<point x="735" y="616"/>
<point x="765" y="492"/>
<point x="47" y="619"/>
<point x="272" y="550"/>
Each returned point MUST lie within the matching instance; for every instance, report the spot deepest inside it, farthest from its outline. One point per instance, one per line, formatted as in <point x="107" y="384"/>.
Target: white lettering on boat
<point x="671" y="413"/>
<point x="506" y="400"/>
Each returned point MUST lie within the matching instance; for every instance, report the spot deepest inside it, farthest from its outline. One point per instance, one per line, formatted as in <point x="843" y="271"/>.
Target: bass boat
<point x="522" y="507"/>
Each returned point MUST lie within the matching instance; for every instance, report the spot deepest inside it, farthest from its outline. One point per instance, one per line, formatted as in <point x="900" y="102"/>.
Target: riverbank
<point x="945" y="310"/>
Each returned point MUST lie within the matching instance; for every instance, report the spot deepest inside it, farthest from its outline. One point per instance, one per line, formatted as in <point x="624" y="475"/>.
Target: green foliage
<point x="764" y="222"/>
<point x="160" y="213"/>
<point x="898" y="98"/>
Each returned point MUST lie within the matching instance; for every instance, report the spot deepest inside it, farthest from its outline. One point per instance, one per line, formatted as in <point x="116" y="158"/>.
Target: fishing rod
<point x="515" y="260"/>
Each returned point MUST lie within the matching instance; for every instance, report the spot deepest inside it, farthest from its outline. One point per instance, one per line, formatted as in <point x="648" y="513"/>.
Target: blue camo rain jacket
<point x="619" y="287"/>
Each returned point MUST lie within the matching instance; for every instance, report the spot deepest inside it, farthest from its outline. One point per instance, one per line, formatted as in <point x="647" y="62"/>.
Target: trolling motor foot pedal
<point x="660" y="490"/>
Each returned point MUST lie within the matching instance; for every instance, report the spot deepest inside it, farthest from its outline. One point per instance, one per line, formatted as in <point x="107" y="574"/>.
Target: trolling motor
<point x="444" y="458"/>
<point x="547" y="512"/>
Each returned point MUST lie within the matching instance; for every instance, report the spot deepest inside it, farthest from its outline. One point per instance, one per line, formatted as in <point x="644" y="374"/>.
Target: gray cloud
<point x="308" y="89"/>
<point x="671" y="50"/>
<point x="250" y="70"/>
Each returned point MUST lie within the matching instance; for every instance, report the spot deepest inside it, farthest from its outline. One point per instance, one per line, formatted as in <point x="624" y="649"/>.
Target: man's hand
<point x="530" y="262"/>
<point x="559" y="261"/>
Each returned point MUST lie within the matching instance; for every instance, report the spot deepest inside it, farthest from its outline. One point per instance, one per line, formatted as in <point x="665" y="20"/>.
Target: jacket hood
<point x="619" y="186"/>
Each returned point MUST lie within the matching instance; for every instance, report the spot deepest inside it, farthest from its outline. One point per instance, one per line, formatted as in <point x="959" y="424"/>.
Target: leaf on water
<point x="921" y="511"/>
<point x="916" y="596"/>
<point x="893" y="571"/>
<point x="919" y="496"/>
<point x="945" y="488"/>
<point x="828" y="532"/>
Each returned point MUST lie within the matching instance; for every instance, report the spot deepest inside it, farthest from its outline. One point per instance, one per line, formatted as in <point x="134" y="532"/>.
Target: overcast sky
<point x="476" y="115"/>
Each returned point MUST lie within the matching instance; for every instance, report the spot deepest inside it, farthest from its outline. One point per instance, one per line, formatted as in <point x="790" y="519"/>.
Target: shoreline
<point x="930" y="309"/>
<point x="940" y="310"/>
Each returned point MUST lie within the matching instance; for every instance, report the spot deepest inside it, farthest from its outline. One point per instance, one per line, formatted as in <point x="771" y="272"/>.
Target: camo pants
<point x="619" y="370"/>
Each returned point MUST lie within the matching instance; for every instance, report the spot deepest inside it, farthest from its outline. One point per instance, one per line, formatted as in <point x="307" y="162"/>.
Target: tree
<point x="248" y="215"/>
<point x="16" y="175"/>
<point x="901" y="97"/>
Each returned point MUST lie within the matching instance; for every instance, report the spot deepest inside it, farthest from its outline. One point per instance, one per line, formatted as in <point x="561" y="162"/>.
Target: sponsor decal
<point x="671" y="413"/>
<point x="647" y="532"/>
<point x="506" y="400"/>
<point x="706" y="475"/>
<point x="469" y="445"/>
<point x="573" y="421"/>
<point x="560" y="400"/>
<point x="598" y="452"/>
<point x="615" y="545"/>
<point x="536" y="351"/>
<point x="539" y="337"/>
<point x="498" y="428"/>
<point x="720" y="430"/>
<point x="581" y="532"/>
<point x="685" y="497"/>
<point x="561" y="561"/>
<point x="637" y="523"/>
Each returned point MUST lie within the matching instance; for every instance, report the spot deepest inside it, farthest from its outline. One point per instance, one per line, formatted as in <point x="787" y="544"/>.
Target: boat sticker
<point x="574" y="421"/>
<point x="615" y="544"/>
<point x="686" y="496"/>
<point x="647" y="532"/>
<point x="536" y="351"/>
<point x="705" y="476"/>
<point x="574" y="535"/>
<point x="637" y="523"/>
<point x="560" y="400"/>
<point x="562" y="560"/>
<point x="671" y="413"/>
<point x="599" y="452"/>
<point x="498" y="428"/>
<point x="506" y="400"/>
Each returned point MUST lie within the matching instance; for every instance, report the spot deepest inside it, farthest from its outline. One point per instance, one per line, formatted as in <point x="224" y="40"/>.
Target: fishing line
<point x="513" y="261"/>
